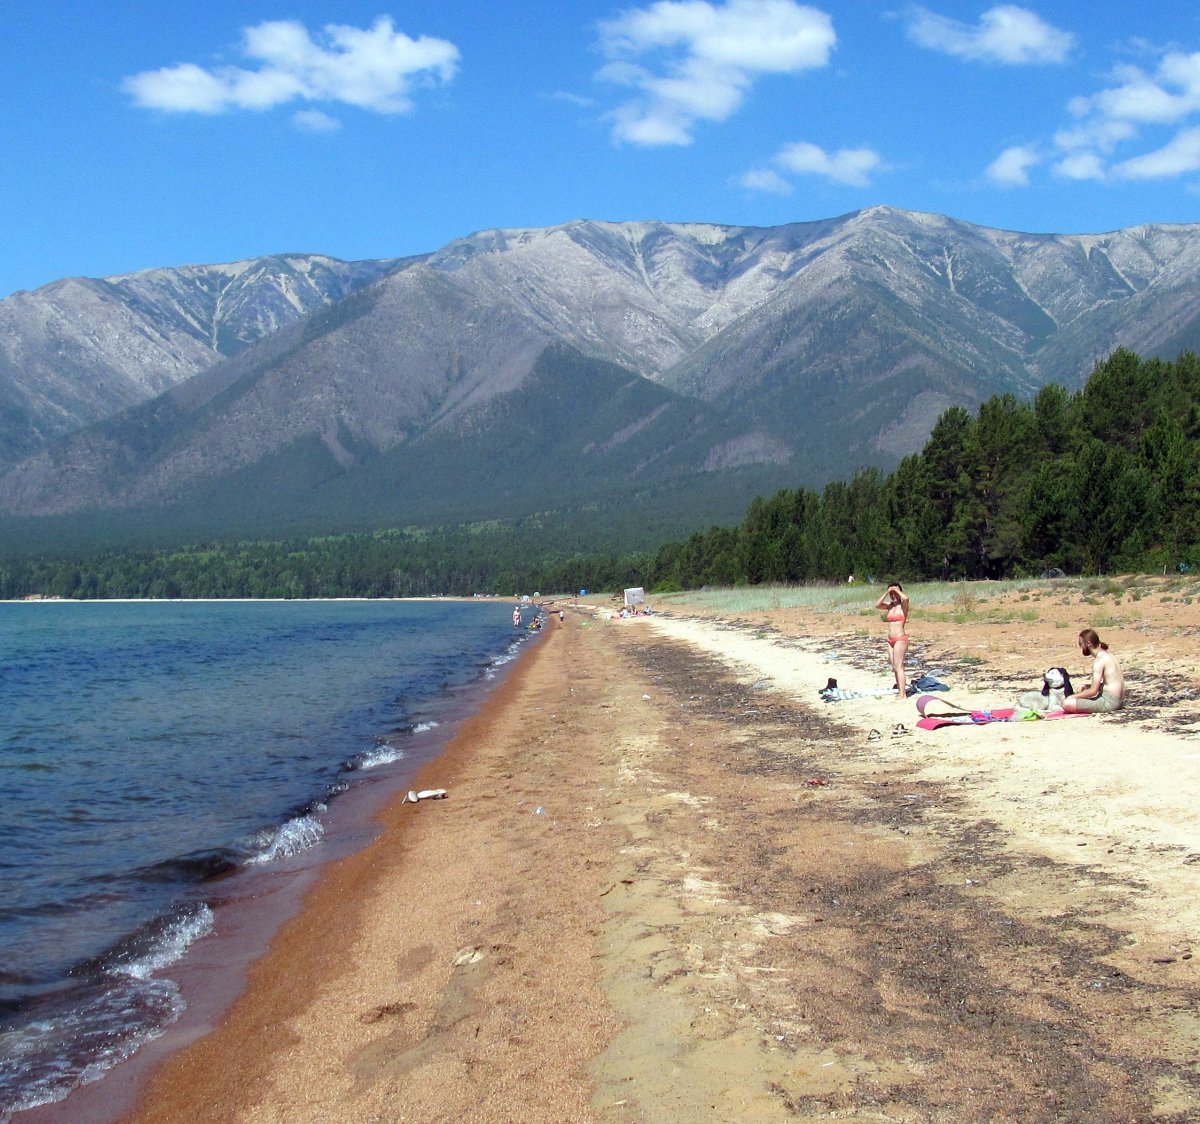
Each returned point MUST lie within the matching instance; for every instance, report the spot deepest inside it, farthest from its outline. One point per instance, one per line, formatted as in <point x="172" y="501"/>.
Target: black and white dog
<point x="1056" y="686"/>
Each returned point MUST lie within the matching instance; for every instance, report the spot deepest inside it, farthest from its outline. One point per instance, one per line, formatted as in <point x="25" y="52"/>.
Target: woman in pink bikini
<point x="895" y="603"/>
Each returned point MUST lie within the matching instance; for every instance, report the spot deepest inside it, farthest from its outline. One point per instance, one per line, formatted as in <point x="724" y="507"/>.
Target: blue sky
<point x="139" y="134"/>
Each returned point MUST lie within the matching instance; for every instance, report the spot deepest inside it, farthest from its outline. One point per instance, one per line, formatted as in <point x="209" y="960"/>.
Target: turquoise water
<point x="148" y="748"/>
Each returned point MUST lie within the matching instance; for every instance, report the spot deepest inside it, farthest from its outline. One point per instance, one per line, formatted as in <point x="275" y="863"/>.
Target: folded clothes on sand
<point x="838" y="694"/>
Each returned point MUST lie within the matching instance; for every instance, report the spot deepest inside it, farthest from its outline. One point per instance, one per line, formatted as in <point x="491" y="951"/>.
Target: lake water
<point x="149" y="750"/>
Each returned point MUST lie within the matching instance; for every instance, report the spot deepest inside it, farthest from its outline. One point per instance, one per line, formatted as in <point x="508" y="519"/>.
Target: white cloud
<point x="767" y="180"/>
<point x="1005" y="34"/>
<point x="1179" y="157"/>
<point x="1169" y="95"/>
<point x="1098" y="136"/>
<point x="572" y="99"/>
<point x="1137" y="101"/>
<point x="315" y="121"/>
<point x="852" y="166"/>
<point x="702" y="60"/>
<point x="1011" y="167"/>
<point x="371" y="68"/>
<point x="1080" y="166"/>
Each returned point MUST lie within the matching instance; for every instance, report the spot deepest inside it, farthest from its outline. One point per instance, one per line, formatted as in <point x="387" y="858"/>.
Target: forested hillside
<point x="529" y="555"/>
<point x="296" y="395"/>
<point x="1104" y="479"/>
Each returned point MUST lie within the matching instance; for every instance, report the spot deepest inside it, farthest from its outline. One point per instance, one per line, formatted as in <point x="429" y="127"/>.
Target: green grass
<point x="963" y="598"/>
<point x="1102" y="587"/>
<point x="996" y="615"/>
<point x="957" y="602"/>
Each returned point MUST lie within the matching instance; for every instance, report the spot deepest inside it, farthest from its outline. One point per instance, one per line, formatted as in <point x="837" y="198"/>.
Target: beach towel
<point x="973" y="718"/>
<point x="933" y="707"/>
<point x="936" y="713"/>
<point x="837" y="694"/>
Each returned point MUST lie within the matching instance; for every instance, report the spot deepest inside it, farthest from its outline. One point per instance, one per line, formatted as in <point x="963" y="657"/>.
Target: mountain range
<point x="525" y="370"/>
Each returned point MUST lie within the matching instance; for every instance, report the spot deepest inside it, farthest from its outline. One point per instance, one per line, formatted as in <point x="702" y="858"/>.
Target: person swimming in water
<point x="895" y="603"/>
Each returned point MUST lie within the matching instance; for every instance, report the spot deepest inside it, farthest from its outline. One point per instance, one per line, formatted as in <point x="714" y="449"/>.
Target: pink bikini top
<point x="896" y="613"/>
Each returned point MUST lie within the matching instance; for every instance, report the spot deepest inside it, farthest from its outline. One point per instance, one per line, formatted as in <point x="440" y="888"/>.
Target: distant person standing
<point x="894" y="603"/>
<point x="516" y="616"/>
<point x="1106" y="691"/>
<point x="562" y="618"/>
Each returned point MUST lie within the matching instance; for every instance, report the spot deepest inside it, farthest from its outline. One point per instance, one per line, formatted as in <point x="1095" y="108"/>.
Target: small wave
<point x="511" y="652"/>
<point x="424" y="727"/>
<point x="175" y="936"/>
<point x="42" y="1060"/>
<point x="383" y="754"/>
<point x="506" y="656"/>
<point x="289" y="839"/>
<point x="195" y="867"/>
<point x="156" y="945"/>
<point x="74" y="1037"/>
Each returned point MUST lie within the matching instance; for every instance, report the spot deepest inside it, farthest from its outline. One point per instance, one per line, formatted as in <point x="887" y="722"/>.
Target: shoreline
<point x="333" y="916"/>
<point x="253" y="902"/>
<point x="670" y="884"/>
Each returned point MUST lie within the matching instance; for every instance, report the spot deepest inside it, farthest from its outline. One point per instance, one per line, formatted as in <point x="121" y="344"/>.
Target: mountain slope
<point x="79" y="350"/>
<point x="516" y="366"/>
<point x="573" y="431"/>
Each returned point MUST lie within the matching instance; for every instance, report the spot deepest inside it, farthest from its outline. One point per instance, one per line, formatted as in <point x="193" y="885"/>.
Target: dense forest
<point x="1106" y="478"/>
<point x="531" y="555"/>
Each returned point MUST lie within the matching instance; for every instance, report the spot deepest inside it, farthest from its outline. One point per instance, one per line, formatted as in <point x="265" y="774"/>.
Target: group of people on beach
<point x="628" y="611"/>
<point x="1104" y="692"/>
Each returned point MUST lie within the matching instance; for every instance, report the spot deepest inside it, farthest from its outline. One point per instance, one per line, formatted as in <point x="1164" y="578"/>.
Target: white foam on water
<point x="380" y="755"/>
<point x="505" y="657"/>
<point x="37" y="1057"/>
<point x="176" y="938"/>
<point x="290" y="839"/>
<point x="106" y="1026"/>
<point x="424" y="727"/>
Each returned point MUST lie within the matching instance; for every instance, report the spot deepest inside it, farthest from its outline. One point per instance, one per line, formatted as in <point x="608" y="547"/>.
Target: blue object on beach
<point x="927" y="683"/>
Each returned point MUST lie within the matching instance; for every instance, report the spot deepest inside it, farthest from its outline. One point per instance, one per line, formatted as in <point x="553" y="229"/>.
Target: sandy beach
<point x="670" y="884"/>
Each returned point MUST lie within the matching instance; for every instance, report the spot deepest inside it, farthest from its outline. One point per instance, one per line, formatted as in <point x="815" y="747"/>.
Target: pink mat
<point x="973" y="718"/>
<point x="955" y="715"/>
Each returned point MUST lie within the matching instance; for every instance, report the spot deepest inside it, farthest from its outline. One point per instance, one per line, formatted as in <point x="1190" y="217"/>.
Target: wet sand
<point x="671" y="885"/>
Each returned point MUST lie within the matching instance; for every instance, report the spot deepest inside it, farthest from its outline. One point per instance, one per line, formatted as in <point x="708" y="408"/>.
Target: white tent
<point x="635" y="596"/>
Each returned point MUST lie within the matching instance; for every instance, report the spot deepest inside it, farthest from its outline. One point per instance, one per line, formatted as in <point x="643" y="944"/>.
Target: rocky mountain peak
<point x="816" y="346"/>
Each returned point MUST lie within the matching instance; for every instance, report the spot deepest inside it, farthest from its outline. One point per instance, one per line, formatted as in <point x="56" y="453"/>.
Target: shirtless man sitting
<point x="1106" y="691"/>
